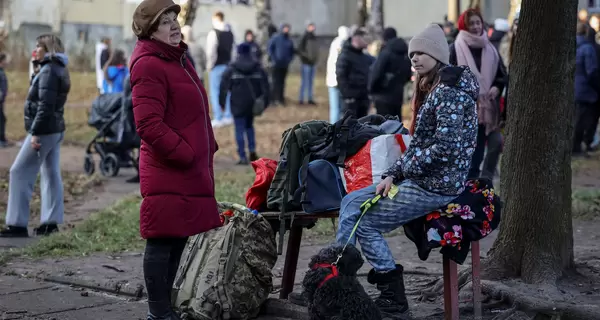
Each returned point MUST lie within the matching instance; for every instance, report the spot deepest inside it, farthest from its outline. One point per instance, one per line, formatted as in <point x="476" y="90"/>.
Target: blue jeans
<point x="308" y="77"/>
<point x="214" y="77"/>
<point x="244" y="129"/>
<point x="410" y="203"/>
<point x="335" y="104"/>
<point x="23" y="174"/>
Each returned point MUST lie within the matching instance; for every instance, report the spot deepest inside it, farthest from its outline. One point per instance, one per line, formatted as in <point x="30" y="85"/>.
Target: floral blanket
<point x="471" y="217"/>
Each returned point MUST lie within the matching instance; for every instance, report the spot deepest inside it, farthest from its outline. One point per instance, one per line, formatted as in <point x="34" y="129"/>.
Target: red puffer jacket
<point x="176" y="157"/>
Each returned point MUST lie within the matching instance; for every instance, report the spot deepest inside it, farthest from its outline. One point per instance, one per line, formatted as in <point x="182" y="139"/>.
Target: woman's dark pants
<point x="493" y="141"/>
<point x="161" y="260"/>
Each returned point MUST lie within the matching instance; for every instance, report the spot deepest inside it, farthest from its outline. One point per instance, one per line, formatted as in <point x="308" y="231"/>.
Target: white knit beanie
<point x="431" y="41"/>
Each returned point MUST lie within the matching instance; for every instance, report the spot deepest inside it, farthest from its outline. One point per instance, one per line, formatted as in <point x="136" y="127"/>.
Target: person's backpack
<point x="259" y="105"/>
<point x="291" y="157"/>
<point x="323" y="187"/>
<point x="225" y="273"/>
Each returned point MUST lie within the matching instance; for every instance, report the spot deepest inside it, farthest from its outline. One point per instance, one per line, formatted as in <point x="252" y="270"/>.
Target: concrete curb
<point x="114" y="287"/>
<point x="286" y="309"/>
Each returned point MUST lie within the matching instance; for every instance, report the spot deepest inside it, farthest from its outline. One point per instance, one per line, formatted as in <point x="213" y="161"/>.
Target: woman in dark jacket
<point x="472" y="48"/>
<point x="171" y="114"/>
<point x="40" y="152"/>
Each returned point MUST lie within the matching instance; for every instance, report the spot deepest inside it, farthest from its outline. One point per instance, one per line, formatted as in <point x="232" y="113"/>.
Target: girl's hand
<point x="384" y="186"/>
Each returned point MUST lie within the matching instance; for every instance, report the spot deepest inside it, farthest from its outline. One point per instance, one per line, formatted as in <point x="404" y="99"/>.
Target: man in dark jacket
<point x="3" y="92"/>
<point x="255" y="50"/>
<point x="308" y="50"/>
<point x="246" y="81"/>
<point x="281" y="52"/>
<point x="389" y="75"/>
<point x="352" y="73"/>
<point x="586" y="87"/>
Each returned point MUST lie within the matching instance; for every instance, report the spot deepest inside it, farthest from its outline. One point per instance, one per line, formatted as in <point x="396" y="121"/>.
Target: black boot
<point x="392" y="300"/>
<point x="14" y="232"/>
<point x="46" y="229"/>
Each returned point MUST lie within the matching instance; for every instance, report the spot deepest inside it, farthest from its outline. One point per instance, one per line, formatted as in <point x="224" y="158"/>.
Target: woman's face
<point x="475" y="25"/>
<point x="168" y="30"/>
<point x="40" y="52"/>
<point x="422" y="63"/>
<point x="249" y="37"/>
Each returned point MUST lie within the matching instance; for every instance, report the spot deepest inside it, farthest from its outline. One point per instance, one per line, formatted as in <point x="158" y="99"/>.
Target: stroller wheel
<point x="88" y="165"/>
<point x="109" y="166"/>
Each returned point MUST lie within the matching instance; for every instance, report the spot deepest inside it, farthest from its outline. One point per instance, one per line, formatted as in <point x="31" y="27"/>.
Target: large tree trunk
<point x="363" y="13"/>
<point x="535" y="241"/>
<point x="263" y="21"/>
<point x="376" y="23"/>
<point x="454" y="10"/>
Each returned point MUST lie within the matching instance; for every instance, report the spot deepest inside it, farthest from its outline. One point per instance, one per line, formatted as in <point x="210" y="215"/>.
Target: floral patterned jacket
<point x="439" y="156"/>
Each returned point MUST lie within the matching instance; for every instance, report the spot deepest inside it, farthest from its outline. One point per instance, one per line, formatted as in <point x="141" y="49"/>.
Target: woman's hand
<point x="35" y="143"/>
<point x="493" y="93"/>
<point x="384" y="186"/>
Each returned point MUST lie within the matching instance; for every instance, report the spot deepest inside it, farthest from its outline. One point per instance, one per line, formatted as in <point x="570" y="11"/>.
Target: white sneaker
<point x="216" y="123"/>
<point x="227" y="121"/>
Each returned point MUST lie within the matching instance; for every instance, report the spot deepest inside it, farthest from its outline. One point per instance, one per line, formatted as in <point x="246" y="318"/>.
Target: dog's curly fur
<point x="341" y="297"/>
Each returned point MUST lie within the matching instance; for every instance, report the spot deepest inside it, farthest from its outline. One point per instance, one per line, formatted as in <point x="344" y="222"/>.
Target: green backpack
<point x="225" y="273"/>
<point x="292" y="154"/>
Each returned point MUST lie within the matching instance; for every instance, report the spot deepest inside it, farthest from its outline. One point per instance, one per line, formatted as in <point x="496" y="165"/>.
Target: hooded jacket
<point x="45" y="104"/>
<point x="352" y="70"/>
<point x="217" y="52"/>
<point x="334" y="51"/>
<point x="390" y="73"/>
<point x="281" y="49"/>
<point x="171" y="114"/>
<point x="439" y="156"/>
<point x="246" y="80"/>
<point x="586" y="71"/>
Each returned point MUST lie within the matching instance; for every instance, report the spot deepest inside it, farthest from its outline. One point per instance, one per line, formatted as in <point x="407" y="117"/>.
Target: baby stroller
<point x="116" y="140"/>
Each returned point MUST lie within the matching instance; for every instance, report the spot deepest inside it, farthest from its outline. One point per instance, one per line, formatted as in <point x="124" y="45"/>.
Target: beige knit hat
<point x="431" y="41"/>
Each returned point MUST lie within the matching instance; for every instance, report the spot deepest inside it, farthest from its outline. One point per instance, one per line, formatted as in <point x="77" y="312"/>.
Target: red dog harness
<point x="333" y="274"/>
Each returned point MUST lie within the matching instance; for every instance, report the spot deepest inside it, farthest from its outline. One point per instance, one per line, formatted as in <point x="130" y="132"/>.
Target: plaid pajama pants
<point x="410" y="203"/>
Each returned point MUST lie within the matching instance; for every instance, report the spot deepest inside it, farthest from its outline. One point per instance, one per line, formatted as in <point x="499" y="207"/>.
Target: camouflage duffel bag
<point x="226" y="273"/>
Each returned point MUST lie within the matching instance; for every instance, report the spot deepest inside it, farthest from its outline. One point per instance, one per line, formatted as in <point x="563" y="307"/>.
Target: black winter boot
<point x="392" y="300"/>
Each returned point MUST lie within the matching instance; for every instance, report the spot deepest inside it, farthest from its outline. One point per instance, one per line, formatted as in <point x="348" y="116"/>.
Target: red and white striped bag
<point x="372" y="160"/>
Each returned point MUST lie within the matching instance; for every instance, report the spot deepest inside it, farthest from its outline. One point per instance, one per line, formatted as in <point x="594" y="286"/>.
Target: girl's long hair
<point x="423" y="86"/>
<point x="116" y="58"/>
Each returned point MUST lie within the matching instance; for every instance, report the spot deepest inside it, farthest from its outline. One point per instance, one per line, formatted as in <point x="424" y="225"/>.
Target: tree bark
<point x="376" y="23"/>
<point x="535" y="241"/>
<point x="188" y="13"/>
<point x="363" y="13"/>
<point x="263" y="21"/>
<point x="475" y="4"/>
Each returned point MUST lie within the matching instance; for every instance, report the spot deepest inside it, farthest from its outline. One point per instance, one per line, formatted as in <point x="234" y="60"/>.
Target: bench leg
<point x="476" y="278"/>
<point x="451" y="307"/>
<point x="291" y="262"/>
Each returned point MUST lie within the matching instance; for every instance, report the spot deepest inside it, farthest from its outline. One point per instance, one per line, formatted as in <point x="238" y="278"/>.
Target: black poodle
<point x="332" y="292"/>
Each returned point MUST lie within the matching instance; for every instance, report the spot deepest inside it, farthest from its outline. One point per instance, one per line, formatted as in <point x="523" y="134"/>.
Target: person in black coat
<point x="255" y="50"/>
<point x="45" y="125"/>
<point x="352" y="73"/>
<point x="389" y="75"/>
<point x="246" y="80"/>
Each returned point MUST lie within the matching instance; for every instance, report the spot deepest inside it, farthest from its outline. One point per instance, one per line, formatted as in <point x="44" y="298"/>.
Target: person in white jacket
<point x="102" y="54"/>
<point x="334" y="93"/>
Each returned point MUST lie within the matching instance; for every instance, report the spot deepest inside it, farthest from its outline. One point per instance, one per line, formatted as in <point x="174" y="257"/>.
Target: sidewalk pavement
<point x="25" y="299"/>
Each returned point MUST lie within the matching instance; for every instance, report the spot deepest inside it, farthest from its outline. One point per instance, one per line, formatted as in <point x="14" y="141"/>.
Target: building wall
<point x="92" y="11"/>
<point x="40" y="12"/>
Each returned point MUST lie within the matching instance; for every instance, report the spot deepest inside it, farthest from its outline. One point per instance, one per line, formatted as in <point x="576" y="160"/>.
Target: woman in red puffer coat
<point x="176" y="156"/>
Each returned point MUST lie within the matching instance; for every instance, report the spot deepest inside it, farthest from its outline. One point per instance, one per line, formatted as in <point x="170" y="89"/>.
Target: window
<point x="594" y="4"/>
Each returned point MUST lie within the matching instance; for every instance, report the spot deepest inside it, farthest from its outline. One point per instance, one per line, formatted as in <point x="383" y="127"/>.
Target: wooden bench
<point x="451" y="303"/>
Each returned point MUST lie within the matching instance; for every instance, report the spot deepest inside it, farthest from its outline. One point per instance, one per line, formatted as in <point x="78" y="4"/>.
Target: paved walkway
<point x="23" y="299"/>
